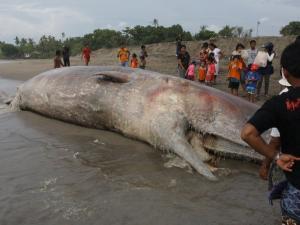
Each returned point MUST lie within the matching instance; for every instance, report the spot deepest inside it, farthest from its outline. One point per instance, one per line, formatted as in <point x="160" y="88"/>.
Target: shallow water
<point x="57" y="173"/>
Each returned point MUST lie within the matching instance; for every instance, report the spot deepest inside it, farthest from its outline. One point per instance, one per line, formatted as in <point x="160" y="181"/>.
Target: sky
<point x="34" y="18"/>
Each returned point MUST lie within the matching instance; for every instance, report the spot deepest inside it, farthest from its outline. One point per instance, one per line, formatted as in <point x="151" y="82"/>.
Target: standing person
<point x="275" y="135"/>
<point x="252" y="52"/>
<point x="190" y="73"/>
<point x="234" y="74"/>
<point x="57" y="60"/>
<point x="178" y="45"/>
<point x="134" y="63"/>
<point x="202" y="72"/>
<point x="203" y="52"/>
<point x="218" y="55"/>
<point x="183" y="61"/>
<point x="267" y="70"/>
<point x="282" y="112"/>
<point x="240" y="50"/>
<point x="66" y="56"/>
<point x="123" y="55"/>
<point x="143" y="56"/>
<point x="251" y="79"/>
<point x="211" y="71"/>
<point x="86" y="54"/>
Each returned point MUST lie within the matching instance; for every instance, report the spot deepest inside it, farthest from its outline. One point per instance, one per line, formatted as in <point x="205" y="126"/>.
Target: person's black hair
<point x="239" y="45"/>
<point x="249" y="66"/>
<point x="205" y="45"/>
<point x="269" y="47"/>
<point x="58" y="53"/>
<point x="194" y="62"/>
<point x="236" y="57"/>
<point x="253" y="41"/>
<point x="213" y="45"/>
<point x="143" y="46"/>
<point x="183" y="46"/>
<point x="134" y="55"/>
<point x="297" y="38"/>
<point x="290" y="59"/>
<point x="211" y="57"/>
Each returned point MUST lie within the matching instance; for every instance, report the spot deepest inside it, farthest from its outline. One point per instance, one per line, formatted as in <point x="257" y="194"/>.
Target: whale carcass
<point x="167" y="112"/>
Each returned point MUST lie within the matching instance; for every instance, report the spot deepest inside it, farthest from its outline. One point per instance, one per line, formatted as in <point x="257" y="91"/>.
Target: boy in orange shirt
<point x="123" y="55"/>
<point x="134" y="61"/>
<point x="234" y="74"/>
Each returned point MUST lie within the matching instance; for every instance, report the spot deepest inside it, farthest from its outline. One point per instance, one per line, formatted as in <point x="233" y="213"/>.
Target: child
<point x="134" y="61"/>
<point x="234" y="75"/>
<point x="143" y="56"/>
<point x="252" y="78"/>
<point x="86" y="54"/>
<point x="57" y="60"/>
<point x="202" y="72"/>
<point x="211" y="70"/>
<point x="190" y="73"/>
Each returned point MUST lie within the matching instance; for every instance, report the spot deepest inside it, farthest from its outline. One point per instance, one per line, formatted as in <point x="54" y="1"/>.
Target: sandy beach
<point x="57" y="173"/>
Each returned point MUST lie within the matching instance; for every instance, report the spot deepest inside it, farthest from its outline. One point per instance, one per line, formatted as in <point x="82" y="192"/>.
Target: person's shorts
<point x="251" y="90"/>
<point x="234" y="83"/>
<point x="124" y="64"/>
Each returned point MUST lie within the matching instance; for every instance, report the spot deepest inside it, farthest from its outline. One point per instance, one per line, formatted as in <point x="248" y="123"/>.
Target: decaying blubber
<point x="167" y="112"/>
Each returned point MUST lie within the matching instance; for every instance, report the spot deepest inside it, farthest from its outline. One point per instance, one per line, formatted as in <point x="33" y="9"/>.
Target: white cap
<point x="283" y="81"/>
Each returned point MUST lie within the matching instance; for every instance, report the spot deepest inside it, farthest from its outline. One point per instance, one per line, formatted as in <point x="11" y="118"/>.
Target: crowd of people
<point x="281" y="113"/>
<point x="247" y="68"/>
<point x="62" y="58"/>
<point x="125" y="61"/>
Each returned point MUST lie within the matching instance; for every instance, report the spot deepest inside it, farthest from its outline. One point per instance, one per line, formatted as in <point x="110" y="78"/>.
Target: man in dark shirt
<point x="282" y="112"/>
<point x="183" y="61"/>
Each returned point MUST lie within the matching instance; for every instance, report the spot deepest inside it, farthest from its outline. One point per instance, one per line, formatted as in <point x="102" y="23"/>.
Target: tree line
<point x="107" y="38"/>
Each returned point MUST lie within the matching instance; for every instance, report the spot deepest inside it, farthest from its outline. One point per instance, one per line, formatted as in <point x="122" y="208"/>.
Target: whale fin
<point x="185" y="150"/>
<point x="112" y="76"/>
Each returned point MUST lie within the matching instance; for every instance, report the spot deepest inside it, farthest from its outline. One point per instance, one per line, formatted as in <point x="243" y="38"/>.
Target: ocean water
<point x="57" y="173"/>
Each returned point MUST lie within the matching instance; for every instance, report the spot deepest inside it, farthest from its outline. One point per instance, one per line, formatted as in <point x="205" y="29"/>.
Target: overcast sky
<point x="33" y="18"/>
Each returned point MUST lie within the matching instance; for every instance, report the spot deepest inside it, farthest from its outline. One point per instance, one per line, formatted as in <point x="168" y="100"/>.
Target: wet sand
<point x="57" y="173"/>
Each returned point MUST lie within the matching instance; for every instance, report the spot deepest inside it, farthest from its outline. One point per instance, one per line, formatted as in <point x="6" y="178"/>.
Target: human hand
<point x="264" y="170"/>
<point x="286" y="162"/>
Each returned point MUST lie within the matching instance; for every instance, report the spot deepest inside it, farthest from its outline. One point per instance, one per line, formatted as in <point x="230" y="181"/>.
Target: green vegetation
<point x="293" y="28"/>
<point x="106" y="38"/>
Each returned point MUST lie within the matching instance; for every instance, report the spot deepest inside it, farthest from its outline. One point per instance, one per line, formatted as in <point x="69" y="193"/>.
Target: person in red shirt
<point x="134" y="61"/>
<point x="86" y="54"/>
<point x="211" y="70"/>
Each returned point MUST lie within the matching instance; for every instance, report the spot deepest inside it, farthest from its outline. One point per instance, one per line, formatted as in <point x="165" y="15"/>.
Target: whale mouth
<point x="221" y="147"/>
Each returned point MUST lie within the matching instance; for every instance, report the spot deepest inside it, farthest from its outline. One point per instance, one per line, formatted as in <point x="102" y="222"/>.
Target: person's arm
<point x="252" y="137"/>
<point x="266" y="163"/>
<point x="221" y="55"/>
<point x="180" y="63"/>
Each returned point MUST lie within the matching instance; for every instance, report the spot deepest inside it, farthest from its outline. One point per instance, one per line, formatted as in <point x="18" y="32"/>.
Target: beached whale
<point x="167" y="112"/>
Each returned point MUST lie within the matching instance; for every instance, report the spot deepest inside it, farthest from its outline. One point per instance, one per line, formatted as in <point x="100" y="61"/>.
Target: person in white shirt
<point x="252" y="52"/>
<point x="266" y="70"/>
<point x="218" y="55"/>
